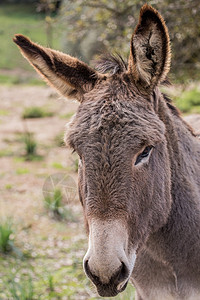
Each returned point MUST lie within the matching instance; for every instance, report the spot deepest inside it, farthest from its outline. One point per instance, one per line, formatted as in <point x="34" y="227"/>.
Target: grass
<point x="16" y="80"/>
<point x="189" y="101"/>
<point x="30" y="144"/>
<point x="22" y="290"/>
<point x="22" y="171"/>
<point x="4" y="112"/>
<point x="6" y="152"/>
<point x="30" y="147"/>
<point x="51" y="274"/>
<point x="21" y="18"/>
<point x="36" y="112"/>
<point x="54" y="204"/>
<point x="6" y="241"/>
<point x="51" y="283"/>
<point x="8" y="186"/>
<point x="59" y="140"/>
<point x="57" y="165"/>
<point x="67" y="116"/>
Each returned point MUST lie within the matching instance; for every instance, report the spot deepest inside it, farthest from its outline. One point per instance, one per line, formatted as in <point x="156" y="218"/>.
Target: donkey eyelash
<point x="144" y="154"/>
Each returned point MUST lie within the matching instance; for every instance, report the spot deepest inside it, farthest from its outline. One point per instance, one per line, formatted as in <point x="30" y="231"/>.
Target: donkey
<point x="139" y="175"/>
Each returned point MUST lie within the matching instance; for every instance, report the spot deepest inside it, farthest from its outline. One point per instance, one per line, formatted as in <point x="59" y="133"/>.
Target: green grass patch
<point x="21" y="289"/>
<point x="19" y="159"/>
<point x="35" y="81"/>
<point x="43" y="279"/>
<point x="54" y="204"/>
<point x="59" y="140"/>
<point x="67" y="116"/>
<point x="5" y="152"/>
<point x="9" y="80"/>
<point x="8" y="186"/>
<point x="21" y="18"/>
<point x="57" y="165"/>
<point x="22" y="171"/>
<point x="36" y="112"/>
<point x="30" y="145"/>
<point x="6" y="231"/>
<point x="4" y="112"/>
<point x="189" y="101"/>
<point x="16" y="80"/>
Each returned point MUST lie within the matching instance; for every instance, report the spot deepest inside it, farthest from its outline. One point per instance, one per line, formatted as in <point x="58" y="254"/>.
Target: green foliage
<point x="59" y="140"/>
<point x="22" y="290"/>
<point x="189" y="101"/>
<point x="22" y="171"/>
<point x="6" y="152"/>
<point x="67" y="116"/>
<point x="30" y="145"/>
<point x="76" y="162"/>
<point x="36" y="112"/>
<point x="8" y="79"/>
<point x="54" y="204"/>
<point x="57" y="165"/>
<point x="51" y="283"/>
<point x="109" y="24"/>
<point x="66" y="280"/>
<point x="8" y="186"/>
<point x="21" y="18"/>
<point x="6" y="230"/>
<point x="4" y="112"/>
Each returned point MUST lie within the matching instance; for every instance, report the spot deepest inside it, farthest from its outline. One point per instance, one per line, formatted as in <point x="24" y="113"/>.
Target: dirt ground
<point x="21" y="185"/>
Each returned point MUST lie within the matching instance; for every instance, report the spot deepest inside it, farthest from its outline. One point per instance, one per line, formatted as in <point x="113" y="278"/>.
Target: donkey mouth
<point x="107" y="290"/>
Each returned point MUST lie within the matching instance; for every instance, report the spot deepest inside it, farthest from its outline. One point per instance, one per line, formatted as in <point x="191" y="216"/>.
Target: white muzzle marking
<point x="108" y="249"/>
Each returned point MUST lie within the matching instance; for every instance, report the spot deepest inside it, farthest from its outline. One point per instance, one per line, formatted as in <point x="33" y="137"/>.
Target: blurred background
<point x="42" y="237"/>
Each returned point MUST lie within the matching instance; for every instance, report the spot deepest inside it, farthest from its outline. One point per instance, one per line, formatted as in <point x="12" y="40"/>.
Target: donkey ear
<point x="71" y="77"/>
<point x="150" y="53"/>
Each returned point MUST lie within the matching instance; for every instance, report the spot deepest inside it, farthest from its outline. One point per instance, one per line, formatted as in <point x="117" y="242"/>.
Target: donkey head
<point x="124" y="171"/>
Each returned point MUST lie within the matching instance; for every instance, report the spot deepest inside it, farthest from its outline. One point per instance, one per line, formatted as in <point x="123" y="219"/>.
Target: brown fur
<point x="67" y="74"/>
<point x="157" y="201"/>
<point x="150" y="53"/>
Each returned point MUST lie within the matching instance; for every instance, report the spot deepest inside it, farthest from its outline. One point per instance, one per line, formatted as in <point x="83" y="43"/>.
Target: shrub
<point x="51" y="283"/>
<point x="55" y="206"/>
<point x="30" y="145"/>
<point x="53" y="203"/>
<point x="59" y="140"/>
<point x="6" y="243"/>
<point x="22" y="290"/>
<point x="189" y="101"/>
<point x="36" y="112"/>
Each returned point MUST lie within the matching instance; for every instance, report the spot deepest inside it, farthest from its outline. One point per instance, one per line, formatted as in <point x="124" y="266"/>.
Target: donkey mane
<point x="112" y="63"/>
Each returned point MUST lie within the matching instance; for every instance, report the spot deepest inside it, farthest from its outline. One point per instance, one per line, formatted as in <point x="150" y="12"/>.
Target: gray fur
<point x="145" y="217"/>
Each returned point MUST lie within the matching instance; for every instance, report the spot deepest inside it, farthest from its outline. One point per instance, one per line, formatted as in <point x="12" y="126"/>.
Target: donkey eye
<point x="144" y="154"/>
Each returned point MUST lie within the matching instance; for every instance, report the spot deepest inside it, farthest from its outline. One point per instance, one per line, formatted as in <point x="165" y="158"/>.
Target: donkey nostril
<point x="93" y="277"/>
<point x="118" y="279"/>
<point x="86" y="267"/>
<point x="122" y="273"/>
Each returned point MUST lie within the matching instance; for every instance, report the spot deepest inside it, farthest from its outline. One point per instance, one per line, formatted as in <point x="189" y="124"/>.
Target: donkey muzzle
<point x="108" y="263"/>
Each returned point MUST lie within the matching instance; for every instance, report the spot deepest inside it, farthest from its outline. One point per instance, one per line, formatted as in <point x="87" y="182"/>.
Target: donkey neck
<point x="178" y="241"/>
